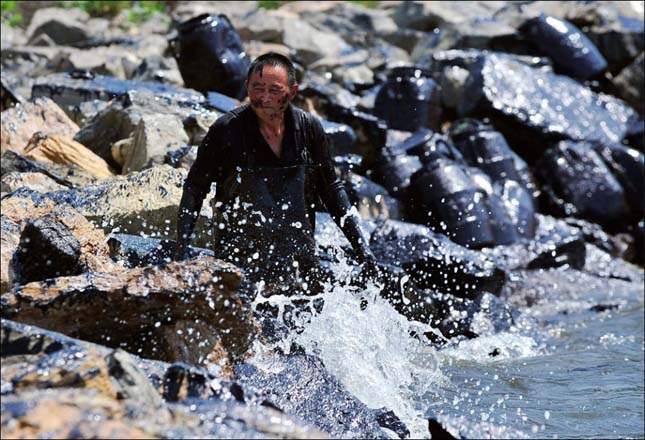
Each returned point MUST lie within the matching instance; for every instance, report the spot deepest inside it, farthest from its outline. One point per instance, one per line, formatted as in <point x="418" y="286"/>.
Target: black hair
<point x="275" y="60"/>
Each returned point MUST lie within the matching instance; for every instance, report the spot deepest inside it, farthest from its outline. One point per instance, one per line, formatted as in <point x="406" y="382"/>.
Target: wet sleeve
<point x="333" y="194"/>
<point x="207" y="166"/>
<point x="206" y="169"/>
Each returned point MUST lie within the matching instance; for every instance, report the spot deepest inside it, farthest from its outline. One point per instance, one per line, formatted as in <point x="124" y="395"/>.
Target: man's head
<point x="271" y="85"/>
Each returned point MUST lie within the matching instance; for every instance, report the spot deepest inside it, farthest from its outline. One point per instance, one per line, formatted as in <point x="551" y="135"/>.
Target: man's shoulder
<point x="231" y="118"/>
<point x="304" y="119"/>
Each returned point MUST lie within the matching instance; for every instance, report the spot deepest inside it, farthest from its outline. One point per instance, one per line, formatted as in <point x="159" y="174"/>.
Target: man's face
<point x="269" y="92"/>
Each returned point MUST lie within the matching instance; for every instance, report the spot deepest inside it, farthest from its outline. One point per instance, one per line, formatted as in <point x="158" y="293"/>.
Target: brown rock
<point x="68" y="413"/>
<point x="36" y="181"/>
<point x="66" y="151"/>
<point x="19" y="123"/>
<point x="135" y="309"/>
<point x="17" y="210"/>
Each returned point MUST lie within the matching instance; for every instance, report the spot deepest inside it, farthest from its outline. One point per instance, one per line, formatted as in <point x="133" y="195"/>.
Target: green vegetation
<point x="143" y="11"/>
<point x="138" y="11"/>
<point x="276" y="4"/>
<point x="366" y="3"/>
<point x="268" y="4"/>
<point x="10" y="14"/>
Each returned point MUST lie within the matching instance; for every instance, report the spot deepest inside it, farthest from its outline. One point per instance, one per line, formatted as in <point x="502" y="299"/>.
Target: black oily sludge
<point x="628" y="165"/>
<point x="435" y="262"/>
<point x="533" y="108"/>
<point x="571" y="51"/>
<point x="409" y="100"/>
<point x="577" y="182"/>
<point x="209" y="43"/>
<point x="443" y="196"/>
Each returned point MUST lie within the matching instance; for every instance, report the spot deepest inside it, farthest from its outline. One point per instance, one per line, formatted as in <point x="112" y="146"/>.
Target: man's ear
<point x="293" y="91"/>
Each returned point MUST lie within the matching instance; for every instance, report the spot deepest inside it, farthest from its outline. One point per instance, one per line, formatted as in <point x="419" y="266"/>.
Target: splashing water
<point x="372" y="351"/>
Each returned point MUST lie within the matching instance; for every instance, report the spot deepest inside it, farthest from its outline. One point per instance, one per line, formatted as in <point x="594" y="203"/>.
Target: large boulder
<point x="190" y="311"/>
<point x="304" y="388"/>
<point x="434" y="262"/>
<point x="155" y="127"/>
<point x="63" y="26"/>
<point x="22" y="121"/>
<point x="630" y="82"/>
<point x="426" y="16"/>
<point x="147" y="201"/>
<point x="153" y="137"/>
<point x="577" y="183"/>
<point x="47" y="249"/>
<point x="24" y="206"/>
<point x="66" y="151"/>
<point x="56" y="385"/>
<point x="554" y="107"/>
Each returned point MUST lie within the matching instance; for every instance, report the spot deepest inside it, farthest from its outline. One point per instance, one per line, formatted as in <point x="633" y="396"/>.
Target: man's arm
<point x="335" y="197"/>
<point x="196" y="187"/>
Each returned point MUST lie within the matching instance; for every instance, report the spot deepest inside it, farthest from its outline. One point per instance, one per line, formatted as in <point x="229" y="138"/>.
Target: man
<point x="270" y="162"/>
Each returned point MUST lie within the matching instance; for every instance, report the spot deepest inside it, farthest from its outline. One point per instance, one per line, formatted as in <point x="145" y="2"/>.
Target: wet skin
<point x="270" y="95"/>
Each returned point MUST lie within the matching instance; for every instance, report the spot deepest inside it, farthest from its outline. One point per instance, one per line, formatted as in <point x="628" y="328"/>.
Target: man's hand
<point x="182" y="252"/>
<point x="370" y="270"/>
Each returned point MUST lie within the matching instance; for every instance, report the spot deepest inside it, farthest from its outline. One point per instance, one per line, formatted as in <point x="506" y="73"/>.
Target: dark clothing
<point x="234" y="144"/>
<point x="237" y="134"/>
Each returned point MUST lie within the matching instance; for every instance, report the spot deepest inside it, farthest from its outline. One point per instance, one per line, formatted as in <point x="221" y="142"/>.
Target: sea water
<point x="562" y="371"/>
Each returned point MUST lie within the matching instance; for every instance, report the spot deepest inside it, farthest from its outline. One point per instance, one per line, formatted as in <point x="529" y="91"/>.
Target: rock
<point x="602" y="264"/>
<point x="22" y="121"/>
<point x="9" y="96"/>
<point x="136" y="251"/>
<point x="444" y="195"/>
<point x="197" y="124"/>
<point x="371" y="199"/>
<point x="577" y="183"/>
<point x="65" y="151"/>
<point x="425" y="16"/>
<point x="394" y="172"/>
<point x="210" y="43"/>
<point x="183" y="157"/>
<point x="235" y="10"/>
<point x="434" y="262"/>
<point x="47" y="249"/>
<point x="146" y="202"/>
<point x="160" y="69"/>
<point x="71" y="89"/>
<point x="620" y="40"/>
<point x="63" y="26"/>
<point x="151" y="303"/>
<point x="79" y="380"/>
<point x="552" y="247"/>
<point x="572" y="52"/>
<point x="629" y="84"/>
<point x="628" y="165"/>
<point x="304" y="388"/>
<point x="23" y="206"/>
<point x="154" y="136"/>
<point x="409" y="100"/>
<point x="36" y="181"/>
<point x="354" y="23"/>
<point x="311" y="44"/>
<point x="120" y="120"/>
<point x="65" y="175"/>
<point x="535" y="287"/>
<point x="555" y="108"/>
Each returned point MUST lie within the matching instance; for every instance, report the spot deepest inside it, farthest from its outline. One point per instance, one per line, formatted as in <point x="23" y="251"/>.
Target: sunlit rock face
<point x="24" y="207"/>
<point x="21" y="122"/>
<point x="58" y="386"/>
<point x="435" y="262"/>
<point x="189" y="311"/>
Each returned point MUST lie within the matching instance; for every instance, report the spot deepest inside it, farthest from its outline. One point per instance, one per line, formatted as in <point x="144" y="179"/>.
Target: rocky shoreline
<point x="492" y="172"/>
